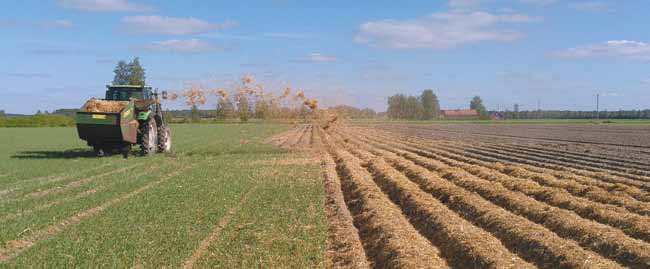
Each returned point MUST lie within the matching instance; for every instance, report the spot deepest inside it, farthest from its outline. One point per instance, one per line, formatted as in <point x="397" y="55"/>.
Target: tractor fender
<point x="143" y="115"/>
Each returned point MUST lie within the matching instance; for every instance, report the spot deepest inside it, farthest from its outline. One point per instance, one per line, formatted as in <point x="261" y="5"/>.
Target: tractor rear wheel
<point x="149" y="143"/>
<point x="164" y="139"/>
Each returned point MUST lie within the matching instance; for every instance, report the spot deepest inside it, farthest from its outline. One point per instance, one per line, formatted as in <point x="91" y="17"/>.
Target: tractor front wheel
<point x="149" y="143"/>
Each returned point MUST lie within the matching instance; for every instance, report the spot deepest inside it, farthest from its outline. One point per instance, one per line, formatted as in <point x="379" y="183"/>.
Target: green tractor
<point x="129" y="115"/>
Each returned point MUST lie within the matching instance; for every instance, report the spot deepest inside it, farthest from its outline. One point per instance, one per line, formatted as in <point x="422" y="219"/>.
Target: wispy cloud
<point x="61" y="24"/>
<point x="442" y="30"/>
<point x="29" y="75"/>
<point x="622" y="48"/>
<point x="181" y="46"/>
<point x="105" y="5"/>
<point x="287" y="35"/>
<point x="170" y="25"/>
<point x="592" y="6"/>
<point x="461" y="4"/>
<point x="611" y="94"/>
<point x="316" y="57"/>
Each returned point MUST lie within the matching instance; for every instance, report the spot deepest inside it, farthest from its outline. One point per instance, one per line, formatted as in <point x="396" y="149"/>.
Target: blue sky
<point x="59" y="53"/>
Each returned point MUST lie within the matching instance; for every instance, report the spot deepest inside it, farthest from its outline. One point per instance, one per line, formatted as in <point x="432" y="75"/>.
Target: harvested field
<point x="504" y="204"/>
<point x="345" y="196"/>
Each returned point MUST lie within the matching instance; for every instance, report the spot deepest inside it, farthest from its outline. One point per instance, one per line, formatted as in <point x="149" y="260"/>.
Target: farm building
<point x="460" y="114"/>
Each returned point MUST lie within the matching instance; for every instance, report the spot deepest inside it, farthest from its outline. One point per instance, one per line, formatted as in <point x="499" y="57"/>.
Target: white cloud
<point x="170" y="25"/>
<point x="181" y="46"/>
<point x="645" y="80"/>
<point x="538" y="2"/>
<point x="317" y="57"/>
<point x="56" y="24"/>
<point x="287" y="35"/>
<point x="625" y="48"/>
<point x="105" y="5"/>
<point x="441" y="30"/>
<point x="475" y="3"/>
<point x="591" y="6"/>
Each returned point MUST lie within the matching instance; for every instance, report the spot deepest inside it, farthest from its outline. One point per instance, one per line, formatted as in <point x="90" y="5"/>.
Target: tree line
<point x="568" y="114"/>
<point x="423" y="107"/>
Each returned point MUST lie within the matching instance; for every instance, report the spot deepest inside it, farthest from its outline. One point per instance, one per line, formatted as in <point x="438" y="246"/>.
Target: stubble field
<point x="440" y="196"/>
<point x="380" y="195"/>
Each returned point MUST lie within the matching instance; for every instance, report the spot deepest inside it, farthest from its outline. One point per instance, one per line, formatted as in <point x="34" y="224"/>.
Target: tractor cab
<point x="126" y="92"/>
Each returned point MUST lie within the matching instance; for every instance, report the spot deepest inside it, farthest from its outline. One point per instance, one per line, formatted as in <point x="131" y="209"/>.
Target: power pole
<point x="597" y="106"/>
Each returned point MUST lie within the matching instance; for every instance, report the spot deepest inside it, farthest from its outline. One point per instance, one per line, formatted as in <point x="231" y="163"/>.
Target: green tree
<point x="121" y="73"/>
<point x="225" y="109"/>
<point x="195" y="116"/>
<point x="261" y="109"/>
<point x="477" y="104"/>
<point x="129" y="73"/>
<point x="243" y="108"/>
<point x="430" y="105"/>
<point x="136" y="72"/>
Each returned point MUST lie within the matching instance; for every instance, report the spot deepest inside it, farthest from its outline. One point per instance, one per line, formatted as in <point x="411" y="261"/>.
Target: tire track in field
<point x="223" y="222"/>
<point x="607" y="241"/>
<point x="531" y="240"/>
<point x="13" y="248"/>
<point x="64" y="175"/>
<point x="74" y="184"/>
<point x="80" y="195"/>
<point x="82" y="181"/>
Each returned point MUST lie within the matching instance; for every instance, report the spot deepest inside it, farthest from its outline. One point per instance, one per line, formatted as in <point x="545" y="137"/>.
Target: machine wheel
<point x="99" y="152"/>
<point x="125" y="151"/>
<point x="164" y="139"/>
<point x="149" y="143"/>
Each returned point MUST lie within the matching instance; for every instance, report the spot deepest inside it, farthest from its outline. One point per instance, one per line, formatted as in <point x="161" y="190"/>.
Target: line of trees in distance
<point x="426" y="106"/>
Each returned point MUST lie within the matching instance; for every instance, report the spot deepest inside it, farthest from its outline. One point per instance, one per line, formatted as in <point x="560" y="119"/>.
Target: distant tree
<point x="261" y="109"/>
<point x="430" y="105"/>
<point x="195" y="116"/>
<point x="129" y="73"/>
<point x="477" y="104"/>
<point x="121" y="73"/>
<point x="136" y="72"/>
<point x="516" y="109"/>
<point x="225" y="109"/>
<point x="39" y="112"/>
<point x="414" y="109"/>
<point x="2" y="112"/>
<point x="243" y="108"/>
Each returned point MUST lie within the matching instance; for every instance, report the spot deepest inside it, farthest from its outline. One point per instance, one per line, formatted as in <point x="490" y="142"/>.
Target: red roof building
<point x="460" y="114"/>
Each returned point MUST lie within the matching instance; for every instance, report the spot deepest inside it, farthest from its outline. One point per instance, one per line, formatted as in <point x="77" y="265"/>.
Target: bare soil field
<point x="620" y="140"/>
<point x="484" y="196"/>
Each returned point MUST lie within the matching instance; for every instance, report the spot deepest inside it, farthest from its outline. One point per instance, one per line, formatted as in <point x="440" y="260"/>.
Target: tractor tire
<point x="164" y="139"/>
<point x="149" y="144"/>
<point x="99" y="152"/>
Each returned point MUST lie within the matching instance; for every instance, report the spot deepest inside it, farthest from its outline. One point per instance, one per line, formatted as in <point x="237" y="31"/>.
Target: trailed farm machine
<point x="129" y="115"/>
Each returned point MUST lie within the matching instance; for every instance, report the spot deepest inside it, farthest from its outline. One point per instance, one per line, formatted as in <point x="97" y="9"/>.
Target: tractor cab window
<point x="123" y="94"/>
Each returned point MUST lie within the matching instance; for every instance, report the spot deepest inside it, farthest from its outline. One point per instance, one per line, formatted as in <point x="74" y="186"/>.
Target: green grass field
<point x="222" y="198"/>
